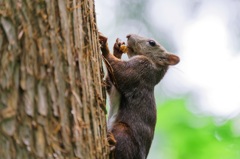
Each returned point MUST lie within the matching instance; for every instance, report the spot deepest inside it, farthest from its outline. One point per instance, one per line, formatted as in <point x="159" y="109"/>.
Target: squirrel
<point x="130" y="87"/>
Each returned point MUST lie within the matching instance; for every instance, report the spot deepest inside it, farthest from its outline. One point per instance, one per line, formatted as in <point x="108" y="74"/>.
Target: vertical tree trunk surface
<point x="52" y="104"/>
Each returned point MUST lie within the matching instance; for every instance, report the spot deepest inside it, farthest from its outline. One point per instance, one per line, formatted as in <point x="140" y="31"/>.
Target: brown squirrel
<point x="130" y="86"/>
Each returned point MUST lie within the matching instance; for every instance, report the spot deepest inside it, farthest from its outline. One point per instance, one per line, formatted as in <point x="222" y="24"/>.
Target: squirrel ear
<point x="172" y="59"/>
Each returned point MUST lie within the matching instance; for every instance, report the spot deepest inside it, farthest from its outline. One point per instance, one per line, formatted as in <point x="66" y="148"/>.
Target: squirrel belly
<point x="114" y="101"/>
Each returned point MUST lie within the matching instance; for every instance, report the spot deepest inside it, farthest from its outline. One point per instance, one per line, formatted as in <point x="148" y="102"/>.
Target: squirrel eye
<point x="152" y="43"/>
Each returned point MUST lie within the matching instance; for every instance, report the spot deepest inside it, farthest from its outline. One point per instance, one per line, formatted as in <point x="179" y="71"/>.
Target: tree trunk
<point x="52" y="103"/>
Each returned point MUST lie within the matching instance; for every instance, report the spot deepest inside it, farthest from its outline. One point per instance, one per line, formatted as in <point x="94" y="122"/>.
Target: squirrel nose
<point x="128" y="36"/>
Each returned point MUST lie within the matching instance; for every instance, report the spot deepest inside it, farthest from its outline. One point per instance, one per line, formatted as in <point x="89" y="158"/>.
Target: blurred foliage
<point x="181" y="134"/>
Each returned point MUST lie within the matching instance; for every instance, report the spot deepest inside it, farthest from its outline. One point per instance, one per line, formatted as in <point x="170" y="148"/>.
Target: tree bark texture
<point x="52" y="103"/>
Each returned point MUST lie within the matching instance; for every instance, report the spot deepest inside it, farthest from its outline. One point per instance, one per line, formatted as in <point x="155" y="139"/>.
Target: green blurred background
<point x="198" y="101"/>
<point x="181" y="134"/>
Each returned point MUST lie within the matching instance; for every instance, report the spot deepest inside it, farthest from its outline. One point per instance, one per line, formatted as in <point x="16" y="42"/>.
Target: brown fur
<point x="132" y="131"/>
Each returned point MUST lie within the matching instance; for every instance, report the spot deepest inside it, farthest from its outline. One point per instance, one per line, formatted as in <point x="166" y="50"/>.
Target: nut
<point x="123" y="48"/>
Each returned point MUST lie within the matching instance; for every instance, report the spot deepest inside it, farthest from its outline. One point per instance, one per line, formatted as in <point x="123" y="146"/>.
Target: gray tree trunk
<point x="52" y="103"/>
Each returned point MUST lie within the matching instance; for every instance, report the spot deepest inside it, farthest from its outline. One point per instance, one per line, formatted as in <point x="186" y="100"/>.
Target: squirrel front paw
<point x="111" y="140"/>
<point x="102" y="39"/>
<point x="104" y="46"/>
<point x="119" y="48"/>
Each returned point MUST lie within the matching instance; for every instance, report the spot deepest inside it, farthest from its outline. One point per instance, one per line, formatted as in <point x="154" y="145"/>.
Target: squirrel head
<point x="150" y="48"/>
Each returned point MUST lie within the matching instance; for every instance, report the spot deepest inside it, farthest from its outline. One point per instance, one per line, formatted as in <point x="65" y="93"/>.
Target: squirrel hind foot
<point x="111" y="141"/>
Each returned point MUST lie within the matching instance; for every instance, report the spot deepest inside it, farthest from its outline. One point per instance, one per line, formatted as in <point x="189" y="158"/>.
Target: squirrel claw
<point x="111" y="140"/>
<point x="102" y="39"/>
<point x="118" y="44"/>
<point x="103" y="44"/>
<point x="112" y="148"/>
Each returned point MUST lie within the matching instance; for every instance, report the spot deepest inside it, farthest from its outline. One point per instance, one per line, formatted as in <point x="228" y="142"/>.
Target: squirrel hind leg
<point x="126" y="145"/>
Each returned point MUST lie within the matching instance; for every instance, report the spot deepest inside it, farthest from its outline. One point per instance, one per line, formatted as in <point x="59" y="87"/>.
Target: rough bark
<point x="52" y="104"/>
